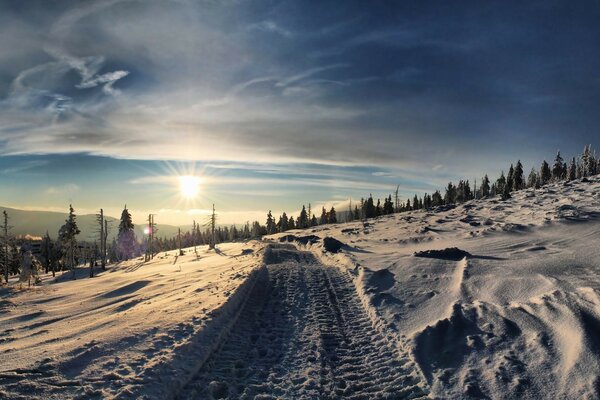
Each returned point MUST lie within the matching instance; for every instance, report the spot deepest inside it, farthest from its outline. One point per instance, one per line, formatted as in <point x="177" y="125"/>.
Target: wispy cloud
<point x="271" y="26"/>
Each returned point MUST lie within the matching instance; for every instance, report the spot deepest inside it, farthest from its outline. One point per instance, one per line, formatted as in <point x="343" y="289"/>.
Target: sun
<point x="189" y="186"/>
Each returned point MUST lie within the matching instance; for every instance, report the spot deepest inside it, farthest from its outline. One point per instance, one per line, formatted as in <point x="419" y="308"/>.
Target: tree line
<point x="586" y="164"/>
<point x="65" y="252"/>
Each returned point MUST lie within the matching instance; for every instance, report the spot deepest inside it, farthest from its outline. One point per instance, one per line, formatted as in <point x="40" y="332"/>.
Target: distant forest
<point x="65" y="252"/>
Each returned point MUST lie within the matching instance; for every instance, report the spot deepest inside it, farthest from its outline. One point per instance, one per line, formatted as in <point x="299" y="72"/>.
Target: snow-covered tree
<point x="126" y="239"/>
<point x="572" y="170"/>
<point x="558" y="172"/>
<point x="532" y="179"/>
<point x="68" y="242"/>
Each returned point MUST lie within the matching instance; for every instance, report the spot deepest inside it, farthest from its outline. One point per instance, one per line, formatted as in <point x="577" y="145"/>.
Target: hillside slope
<point x="37" y="223"/>
<point x="495" y="299"/>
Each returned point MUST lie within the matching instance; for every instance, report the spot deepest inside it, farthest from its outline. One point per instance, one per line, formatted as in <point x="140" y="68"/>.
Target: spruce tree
<point x="545" y="173"/>
<point x="510" y="178"/>
<point x="302" y="221"/>
<point x="572" y="170"/>
<point x="485" y="186"/>
<point x="126" y="239"/>
<point x="558" y="173"/>
<point x="436" y="199"/>
<point x="67" y="238"/>
<point x="518" y="178"/>
<point x="270" y="223"/>
<point x="323" y="219"/>
<point x="331" y="216"/>
<point x="532" y="179"/>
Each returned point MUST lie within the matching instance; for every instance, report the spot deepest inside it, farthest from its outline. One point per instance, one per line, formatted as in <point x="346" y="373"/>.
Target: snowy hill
<point x="495" y="299"/>
<point x="489" y="299"/>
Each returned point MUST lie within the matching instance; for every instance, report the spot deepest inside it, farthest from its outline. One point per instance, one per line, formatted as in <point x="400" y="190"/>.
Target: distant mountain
<point x="36" y="223"/>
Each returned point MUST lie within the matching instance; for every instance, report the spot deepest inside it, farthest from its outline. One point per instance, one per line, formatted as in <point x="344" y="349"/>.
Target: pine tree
<point x="510" y="178"/>
<point x="283" y="223"/>
<point x="291" y="223"/>
<point x="545" y="173"/>
<point x="500" y="183"/>
<point x="558" y="173"/>
<point x="518" y="178"/>
<point x="323" y="219"/>
<point x="572" y="170"/>
<point x="485" y="186"/>
<point x="451" y="193"/>
<point x="126" y="237"/>
<point x="314" y="221"/>
<point x="331" y="216"/>
<point x="270" y="223"/>
<point x="302" y="221"/>
<point x="356" y="213"/>
<point x="436" y="199"/>
<point x="532" y="179"/>
<point x="67" y="238"/>
<point x="46" y="248"/>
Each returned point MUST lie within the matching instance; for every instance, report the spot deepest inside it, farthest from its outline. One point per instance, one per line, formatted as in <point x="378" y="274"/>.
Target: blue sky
<point x="279" y="103"/>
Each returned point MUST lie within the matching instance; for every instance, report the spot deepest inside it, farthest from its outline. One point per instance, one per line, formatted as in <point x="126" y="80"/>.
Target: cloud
<point x="107" y="79"/>
<point x="66" y="189"/>
<point x="270" y="26"/>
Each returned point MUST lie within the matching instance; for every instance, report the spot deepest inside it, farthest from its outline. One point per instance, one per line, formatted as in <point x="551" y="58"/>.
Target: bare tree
<point x="6" y="240"/>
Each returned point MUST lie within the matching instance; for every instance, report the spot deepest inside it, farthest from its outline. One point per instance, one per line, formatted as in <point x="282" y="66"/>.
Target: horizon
<point x="273" y="105"/>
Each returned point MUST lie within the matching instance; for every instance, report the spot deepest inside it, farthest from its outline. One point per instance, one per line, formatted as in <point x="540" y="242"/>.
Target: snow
<point x="496" y="299"/>
<point x="110" y="334"/>
<point x="489" y="299"/>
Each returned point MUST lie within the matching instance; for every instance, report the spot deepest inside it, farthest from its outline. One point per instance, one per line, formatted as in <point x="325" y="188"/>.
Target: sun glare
<point x="189" y="186"/>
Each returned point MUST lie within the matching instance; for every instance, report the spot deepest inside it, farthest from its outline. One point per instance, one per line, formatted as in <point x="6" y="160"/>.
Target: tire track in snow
<point x="304" y="334"/>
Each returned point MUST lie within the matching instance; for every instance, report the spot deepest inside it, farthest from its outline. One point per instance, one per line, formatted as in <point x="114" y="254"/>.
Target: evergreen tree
<point x="518" y="178"/>
<point x="271" y="227"/>
<point x="323" y="219"/>
<point x="283" y="223"/>
<point x="356" y="213"/>
<point x="67" y="238"/>
<point x="572" y="170"/>
<point x="545" y="173"/>
<point x="588" y="163"/>
<point x="436" y="199"/>
<point x="302" y="221"/>
<point x="46" y="248"/>
<point x="291" y="223"/>
<point x="126" y="239"/>
<point x="314" y="221"/>
<point x="485" y="186"/>
<point x="500" y="183"/>
<point x="532" y="179"/>
<point x="331" y="216"/>
<point x="510" y="178"/>
<point x="558" y="173"/>
<point x="450" y="196"/>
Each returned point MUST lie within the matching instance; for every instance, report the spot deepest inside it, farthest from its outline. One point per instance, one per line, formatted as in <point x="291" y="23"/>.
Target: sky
<point x="274" y="104"/>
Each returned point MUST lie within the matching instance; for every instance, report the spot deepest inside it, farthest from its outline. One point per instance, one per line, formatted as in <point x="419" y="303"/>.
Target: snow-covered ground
<point x="136" y="329"/>
<point x="516" y="317"/>
<point x="490" y="299"/>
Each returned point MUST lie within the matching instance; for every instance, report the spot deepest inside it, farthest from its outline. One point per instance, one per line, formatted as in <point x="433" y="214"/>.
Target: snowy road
<point x="304" y="334"/>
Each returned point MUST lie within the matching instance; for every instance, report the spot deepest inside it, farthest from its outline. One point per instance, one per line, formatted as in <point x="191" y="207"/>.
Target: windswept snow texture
<point x="490" y="299"/>
<point x="125" y="333"/>
<point x="494" y="299"/>
<point x="304" y="334"/>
